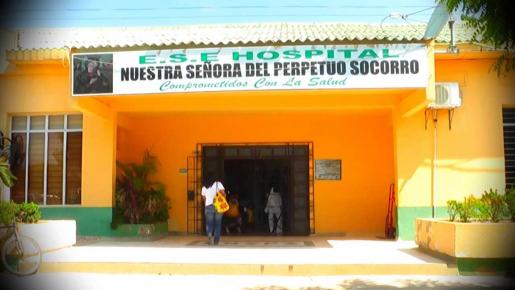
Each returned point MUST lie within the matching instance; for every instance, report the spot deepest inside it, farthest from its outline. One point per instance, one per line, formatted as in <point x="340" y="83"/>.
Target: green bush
<point x="7" y="212"/>
<point x="492" y="206"/>
<point x="467" y="209"/>
<point x="453" y="209"/>
<point x="480" y="210"/>
<point x="495" y="204"/>
<point x="156" y="205"/>
<point x="510" y="200"/>
<point x="28" y="213"/>
<point x="23" y="212"/>
<point x="6" y="175"/>
<point x="138" y="198"/>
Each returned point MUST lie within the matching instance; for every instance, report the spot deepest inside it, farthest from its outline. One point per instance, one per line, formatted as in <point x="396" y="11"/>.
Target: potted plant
<point x="141" y="208"/>
<point x="50" y="234"/>
<point x="478" y="236"/>
<point x="6" y="175"/>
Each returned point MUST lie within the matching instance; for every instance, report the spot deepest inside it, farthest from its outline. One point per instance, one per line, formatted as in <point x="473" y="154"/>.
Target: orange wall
<point x="470" y="156"/>
<point x="361" y="139"/>
<point x="29" y="89"/>
<point x="98" y="160"/>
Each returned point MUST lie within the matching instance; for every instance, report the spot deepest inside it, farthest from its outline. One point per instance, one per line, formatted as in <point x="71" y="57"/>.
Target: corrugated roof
<point x="53" y="54"/>
<point x="226" y="34"/>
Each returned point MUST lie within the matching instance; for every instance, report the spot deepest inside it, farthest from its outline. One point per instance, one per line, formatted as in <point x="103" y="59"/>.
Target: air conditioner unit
<point x="447" y="96"/>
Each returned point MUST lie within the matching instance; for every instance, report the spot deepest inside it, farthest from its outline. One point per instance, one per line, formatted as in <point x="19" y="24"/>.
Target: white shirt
<point x="210" y="192"/>
<point x="274" y="200"/>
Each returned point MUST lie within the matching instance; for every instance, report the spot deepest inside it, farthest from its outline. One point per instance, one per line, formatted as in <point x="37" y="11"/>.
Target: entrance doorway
<point x="251" y="181"/>
<point x="250" y="171"/>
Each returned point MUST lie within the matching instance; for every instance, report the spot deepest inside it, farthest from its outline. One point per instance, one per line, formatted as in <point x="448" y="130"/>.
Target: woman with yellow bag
<point x="210" y="192"/>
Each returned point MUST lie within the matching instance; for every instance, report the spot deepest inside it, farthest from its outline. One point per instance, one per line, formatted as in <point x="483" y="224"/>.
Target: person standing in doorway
<point x="213" y="219"/>
<point x="273" y="209"/>
<point x="232" y="217"/>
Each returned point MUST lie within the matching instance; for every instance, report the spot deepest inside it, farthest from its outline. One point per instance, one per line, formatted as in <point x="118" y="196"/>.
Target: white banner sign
<point x="250" y="68"/>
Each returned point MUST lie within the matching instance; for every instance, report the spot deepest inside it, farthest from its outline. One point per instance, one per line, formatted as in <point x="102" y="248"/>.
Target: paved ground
<point x="89" y="281"/>
<point x="252" y="263"/>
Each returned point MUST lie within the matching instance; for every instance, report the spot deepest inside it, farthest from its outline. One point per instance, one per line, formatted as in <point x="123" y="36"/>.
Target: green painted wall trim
<point x="406" y="219"/>
<point x="91" y="221"/>
<point x="482" y="266"/>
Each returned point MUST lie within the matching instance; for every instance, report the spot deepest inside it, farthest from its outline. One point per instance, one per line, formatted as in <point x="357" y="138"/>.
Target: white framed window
<point x="46" y="158"/>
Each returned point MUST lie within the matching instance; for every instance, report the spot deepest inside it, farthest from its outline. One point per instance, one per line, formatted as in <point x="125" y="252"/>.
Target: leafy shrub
<point x="7" y="212"/>
<point x="480" y="209"/>
<point x="138" y="199"/>
<point x="496" y="204"/>
<point x="492" y="206"/>
<point x="466" y="209"/>
<point x="453" y="208"/>
<point x="23" y="213"/>
<point x="156" y="205"/>
<point x="510" y="200"/>
<point x="6" y="175"/>
<point x="28" y="213"/>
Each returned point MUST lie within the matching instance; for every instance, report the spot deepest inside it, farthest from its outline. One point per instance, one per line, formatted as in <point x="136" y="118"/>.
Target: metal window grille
<point x="509" y="145"/>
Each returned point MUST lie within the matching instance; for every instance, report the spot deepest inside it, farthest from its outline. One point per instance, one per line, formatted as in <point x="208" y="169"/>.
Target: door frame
<point x="195" y="214"/>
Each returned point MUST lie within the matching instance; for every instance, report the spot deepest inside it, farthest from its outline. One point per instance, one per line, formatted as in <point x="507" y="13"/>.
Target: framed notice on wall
<point x="328" y="169"/>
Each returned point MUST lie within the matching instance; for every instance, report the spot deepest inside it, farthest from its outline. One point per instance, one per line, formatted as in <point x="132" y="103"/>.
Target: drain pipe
<point x="452" y="46"/>
<point x="435" y="158"/>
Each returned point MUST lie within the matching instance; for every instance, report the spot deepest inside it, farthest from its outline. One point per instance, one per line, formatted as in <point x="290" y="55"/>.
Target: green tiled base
<point x="91" y="221"/>
<point x="96" y="221"/>
<point x="477" y="266"/>
<point x="406" y="219"/>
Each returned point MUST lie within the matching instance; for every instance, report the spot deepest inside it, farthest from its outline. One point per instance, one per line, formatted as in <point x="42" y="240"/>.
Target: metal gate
<point x="194" y="201"/>
<point x="300" y="155"/>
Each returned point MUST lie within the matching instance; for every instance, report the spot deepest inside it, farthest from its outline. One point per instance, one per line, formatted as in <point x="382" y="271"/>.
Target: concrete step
<point x="247" y="256"/>
<point x="250" y="269"/>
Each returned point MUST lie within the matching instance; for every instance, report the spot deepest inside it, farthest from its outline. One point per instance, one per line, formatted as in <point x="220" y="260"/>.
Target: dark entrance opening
<point x="251" y="181"/>
<point x="249" y="173"/>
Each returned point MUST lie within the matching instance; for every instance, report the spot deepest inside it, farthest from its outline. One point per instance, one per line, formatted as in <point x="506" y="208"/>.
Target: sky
<point x="94" y="13"/>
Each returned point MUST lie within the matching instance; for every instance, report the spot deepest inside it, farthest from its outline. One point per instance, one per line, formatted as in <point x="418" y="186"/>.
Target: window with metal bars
<point x="508" y="115"/>
<point x="46" y="158"/>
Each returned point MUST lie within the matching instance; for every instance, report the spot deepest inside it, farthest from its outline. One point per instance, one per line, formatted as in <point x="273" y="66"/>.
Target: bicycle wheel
<point x="21" y="256"/>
